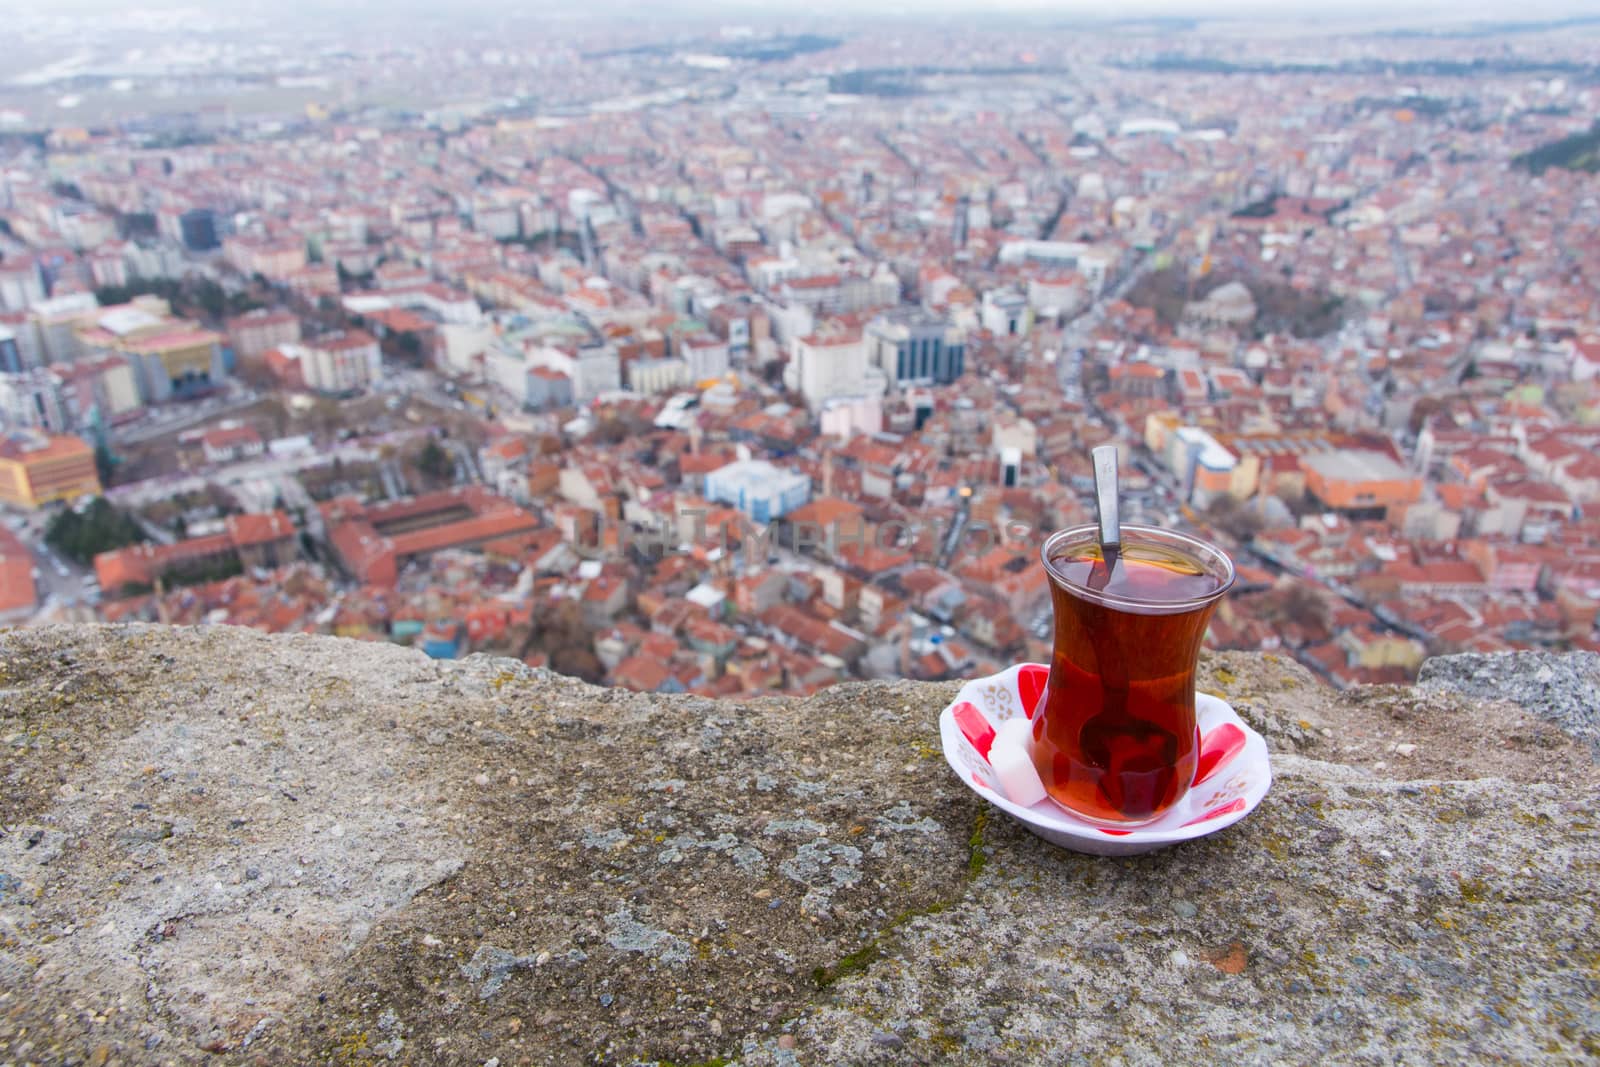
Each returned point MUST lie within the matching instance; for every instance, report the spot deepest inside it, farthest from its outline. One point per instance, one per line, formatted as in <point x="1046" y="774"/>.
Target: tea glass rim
<point x="1205" y="554"/>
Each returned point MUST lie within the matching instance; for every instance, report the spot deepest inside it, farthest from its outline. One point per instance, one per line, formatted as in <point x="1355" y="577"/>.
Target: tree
<point x="434" y="461"/>
<point x="1164" y="291"/>
<point x="201" y="572"/>
<point x="1579" y="151"/>
<point x="209" y="295"/>
<point x="138" y="224"/>
<point x="561" y="634"/>
<point x="1299" y="503"/>
<point x="165" y="288"/>
<point x="99" y="528"/>
<point x="324" y="415"/>
<point x="274" y="411"/>
<point x="1302" y="604"/>
<point x="610" y="430"/>
<point x="1233" y="518"/>
<point x="349" y="280"/>
<point x="105" y="464"/>
<point x="578" y="661"/>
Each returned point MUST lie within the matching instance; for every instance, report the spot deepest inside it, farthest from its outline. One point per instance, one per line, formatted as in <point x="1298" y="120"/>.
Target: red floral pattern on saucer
<point x="1233" y="775"/>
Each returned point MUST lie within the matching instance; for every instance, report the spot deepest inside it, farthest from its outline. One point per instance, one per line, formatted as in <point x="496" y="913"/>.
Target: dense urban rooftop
<point x="750" y="362"/>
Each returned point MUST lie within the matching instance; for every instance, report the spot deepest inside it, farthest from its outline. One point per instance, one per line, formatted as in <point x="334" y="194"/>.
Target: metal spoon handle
<point x="1105" y="494"/>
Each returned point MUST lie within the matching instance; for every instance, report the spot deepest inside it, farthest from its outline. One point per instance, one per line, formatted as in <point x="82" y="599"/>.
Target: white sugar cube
<point x="1013" y="766"/>
<point x="1017" y="730"/>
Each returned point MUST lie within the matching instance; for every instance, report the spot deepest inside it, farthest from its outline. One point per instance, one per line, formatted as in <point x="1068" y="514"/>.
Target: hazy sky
<point x="1487" y="9"/>
<point x="1431" y="10"/>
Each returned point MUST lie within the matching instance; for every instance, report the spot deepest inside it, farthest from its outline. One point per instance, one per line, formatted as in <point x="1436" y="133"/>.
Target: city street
<point x="180" y="416"/>
<point x="57" y="579"/>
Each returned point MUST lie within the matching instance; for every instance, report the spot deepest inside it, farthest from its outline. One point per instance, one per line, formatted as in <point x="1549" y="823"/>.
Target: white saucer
<point x="1233" y="776"/>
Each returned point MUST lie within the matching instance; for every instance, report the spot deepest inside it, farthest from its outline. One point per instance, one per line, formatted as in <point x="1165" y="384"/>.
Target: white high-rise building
<point x="345" y="363"/>
<point x="31" y="400"/>
<point x="827" y="364"/>
<point x="706" y="355"/>
<point x="21" y="284"/>
<point x="597" y="370"/>
<point x="657" y="375"/>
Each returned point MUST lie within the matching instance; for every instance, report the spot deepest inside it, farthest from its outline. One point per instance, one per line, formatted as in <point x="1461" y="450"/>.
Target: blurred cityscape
<point x="746" y="358"/>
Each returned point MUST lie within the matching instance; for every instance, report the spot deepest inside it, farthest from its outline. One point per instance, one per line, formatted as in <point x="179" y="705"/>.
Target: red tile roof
<point x="257" y="529"/>
<point x="143" y="564"/>
<point x="643" y="673"/>
<point x="464" y="533"/>
<point x="231" y="437"/>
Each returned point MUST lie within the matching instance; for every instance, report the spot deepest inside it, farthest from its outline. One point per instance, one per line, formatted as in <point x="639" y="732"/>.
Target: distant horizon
<point x="1428" y="12"/>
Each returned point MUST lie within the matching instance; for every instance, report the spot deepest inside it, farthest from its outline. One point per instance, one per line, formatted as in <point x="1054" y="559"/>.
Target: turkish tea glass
<point x="1114" y="735"/>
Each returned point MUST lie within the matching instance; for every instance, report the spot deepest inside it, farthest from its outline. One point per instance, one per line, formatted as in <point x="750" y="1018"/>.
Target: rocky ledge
<point x="224" y="847"/>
